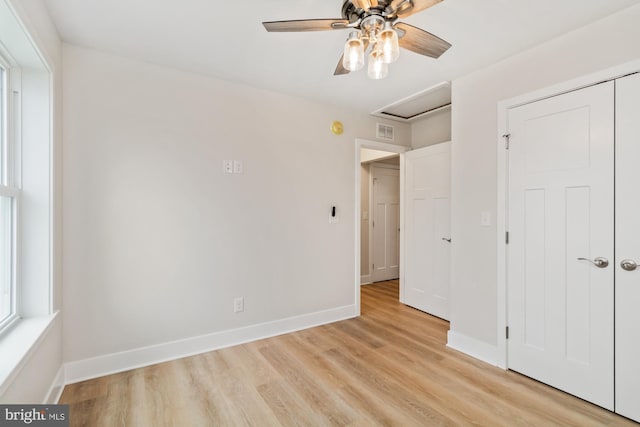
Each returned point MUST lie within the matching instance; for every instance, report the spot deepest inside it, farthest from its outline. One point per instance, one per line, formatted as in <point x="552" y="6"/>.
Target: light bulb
<point x="388" y="41"/>
<point x="353" y="58"/>
<point x="378" y="69"/>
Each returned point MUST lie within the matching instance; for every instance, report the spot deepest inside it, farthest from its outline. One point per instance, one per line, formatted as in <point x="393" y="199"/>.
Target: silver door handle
<point x="628" y="264"/>
<point x="598" y="262"/>
<point x="446" y="240"/>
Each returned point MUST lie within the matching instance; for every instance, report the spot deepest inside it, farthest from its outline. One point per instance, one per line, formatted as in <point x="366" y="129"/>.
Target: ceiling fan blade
<point x="404" y="8"/>
<point x="306" y="25"/>
<point x="420" y="41"/>
<point x="340" y="70"/>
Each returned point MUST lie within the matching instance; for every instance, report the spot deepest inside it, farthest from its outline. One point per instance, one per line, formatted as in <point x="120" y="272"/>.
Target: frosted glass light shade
<point x="378" y="69"/>
<point x="388" y="42"/>
<point x="353" y="58"/>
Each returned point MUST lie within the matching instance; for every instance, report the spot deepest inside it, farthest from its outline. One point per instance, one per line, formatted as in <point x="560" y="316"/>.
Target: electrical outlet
<point x="238" y="305"/>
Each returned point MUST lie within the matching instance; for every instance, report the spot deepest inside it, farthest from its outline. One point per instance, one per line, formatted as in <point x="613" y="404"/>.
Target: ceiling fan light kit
<point x="377" y="69"/>
<point x="353" y="58"/>
<point x="375" y="26"/>
<point x="388" y="40"/>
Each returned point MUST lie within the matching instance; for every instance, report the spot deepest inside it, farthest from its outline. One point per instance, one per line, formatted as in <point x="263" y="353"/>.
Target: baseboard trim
<point x="57" y="386"/>
<point x="366" y="280"/>
<point x="473" y="347"/>
<point x="123" y="361"/>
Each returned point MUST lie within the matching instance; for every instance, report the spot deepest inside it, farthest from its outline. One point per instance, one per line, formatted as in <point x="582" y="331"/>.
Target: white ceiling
<point x="226" y="39"/>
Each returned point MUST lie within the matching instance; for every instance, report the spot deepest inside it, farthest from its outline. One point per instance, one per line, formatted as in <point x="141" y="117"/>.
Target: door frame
<point x="504" y="106"/>
<point x="371" y="205"/>
<point x="383" y="146"/>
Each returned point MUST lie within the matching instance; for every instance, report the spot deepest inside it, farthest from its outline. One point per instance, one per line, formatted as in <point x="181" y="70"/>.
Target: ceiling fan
<point x="375" y="25"/>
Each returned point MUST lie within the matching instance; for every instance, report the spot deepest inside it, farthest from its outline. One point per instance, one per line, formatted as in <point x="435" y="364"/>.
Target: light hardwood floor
<point x="388" y="367"/>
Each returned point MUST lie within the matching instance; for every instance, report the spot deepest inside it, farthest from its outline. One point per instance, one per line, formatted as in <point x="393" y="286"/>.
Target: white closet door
<point x="561" y="209"/>
<point x="628" y="246"/>
<point x="427" y="220"/>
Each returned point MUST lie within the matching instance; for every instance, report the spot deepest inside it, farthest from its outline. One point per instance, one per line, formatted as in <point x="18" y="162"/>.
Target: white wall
<point x="432" y="129"/>
<point x="603" y="44"/>
<point x="37" y="377"/>
<point x="158" y="241"/>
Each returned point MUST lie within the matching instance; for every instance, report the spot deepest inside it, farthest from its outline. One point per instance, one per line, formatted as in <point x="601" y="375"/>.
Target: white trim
<point x="56" y="389"/>
<point x="369" y="227"/>
<point x="502" y="227"/>
<point x="380" y="112"/>
<point x="382" y="146"/>
<point x="403" y="238"/>
<point x="29" y="29"/>
<point x="19" y="344"/>
<point x="602" y="76"/>
<point x="473" y="347"/>
<point x="118" y="362"/>
<point x="502" y="165"/>
<point x="365" y="280"/>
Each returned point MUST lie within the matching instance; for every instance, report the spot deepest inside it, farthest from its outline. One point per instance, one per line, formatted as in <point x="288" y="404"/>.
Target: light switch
<point x="485" y="219"/>
<point x="227" y="166"/>
<point x="237" y="166"/>
<point x="365" y="215"/>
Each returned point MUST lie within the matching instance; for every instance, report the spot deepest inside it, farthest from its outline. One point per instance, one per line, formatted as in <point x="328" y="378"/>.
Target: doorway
<point x="363" y="212"/>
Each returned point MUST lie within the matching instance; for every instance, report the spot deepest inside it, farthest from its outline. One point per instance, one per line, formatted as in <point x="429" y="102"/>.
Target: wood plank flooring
<point x="390" y="367"/>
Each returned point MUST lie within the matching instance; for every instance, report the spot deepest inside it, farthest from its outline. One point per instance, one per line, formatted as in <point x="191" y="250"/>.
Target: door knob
<point x="628" y="264"/>
<point x="599" y="262"/>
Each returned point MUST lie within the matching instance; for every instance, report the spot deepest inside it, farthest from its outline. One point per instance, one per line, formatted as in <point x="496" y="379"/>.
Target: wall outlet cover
<point x="238" y="305"/>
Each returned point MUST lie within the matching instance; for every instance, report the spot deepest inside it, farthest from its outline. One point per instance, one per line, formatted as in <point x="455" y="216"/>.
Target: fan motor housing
<point x="353" y="13"/>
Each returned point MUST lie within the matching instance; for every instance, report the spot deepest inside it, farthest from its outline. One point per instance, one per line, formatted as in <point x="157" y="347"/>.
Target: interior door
<point x="427" y="229"/>
<point x="385" y="223"/>
<point x="561" y="237"/>
<point x="628" y="246"/>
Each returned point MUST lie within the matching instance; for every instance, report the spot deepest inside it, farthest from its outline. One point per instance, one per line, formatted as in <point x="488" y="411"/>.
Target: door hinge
<point x="506" y="137"/>
<point x="506" y="237"/>
<point x="507" y="332"/>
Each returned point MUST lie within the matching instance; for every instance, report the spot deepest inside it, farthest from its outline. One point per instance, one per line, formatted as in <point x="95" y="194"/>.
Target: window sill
<point x="17" y="345"/>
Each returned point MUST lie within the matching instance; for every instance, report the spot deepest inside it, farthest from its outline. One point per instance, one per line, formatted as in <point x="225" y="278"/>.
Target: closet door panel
<point x="627" y="292"/>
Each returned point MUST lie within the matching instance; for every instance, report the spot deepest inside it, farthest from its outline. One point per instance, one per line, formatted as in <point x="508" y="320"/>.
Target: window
<point x="9" y="193"/>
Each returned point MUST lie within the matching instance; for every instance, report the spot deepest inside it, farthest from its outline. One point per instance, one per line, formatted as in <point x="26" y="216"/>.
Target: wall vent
<point x="384" y="131"/>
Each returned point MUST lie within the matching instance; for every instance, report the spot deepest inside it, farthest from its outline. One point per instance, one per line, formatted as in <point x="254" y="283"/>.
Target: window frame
<point x="10" y="144"/>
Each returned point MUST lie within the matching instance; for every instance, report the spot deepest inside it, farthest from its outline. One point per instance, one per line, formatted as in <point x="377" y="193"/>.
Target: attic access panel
<point x="418" y="105"/>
